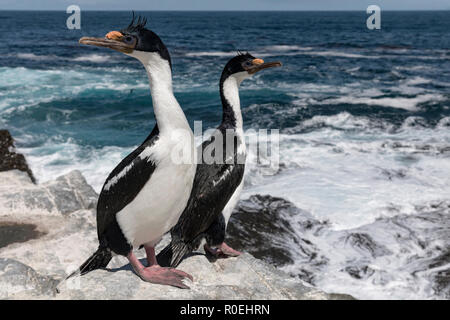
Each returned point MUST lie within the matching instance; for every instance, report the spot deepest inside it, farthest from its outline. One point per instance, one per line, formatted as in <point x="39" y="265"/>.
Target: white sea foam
<point x="279" y="48"/>
<point x="32" y="56"/>
<point x="444" y="122"/>
<point x="30" y="87"/>
<point x="343" y="120"/>
<point x="260" y="54"/>
<point x="415" y="68"/>
<point x="211" y="54"/>
<point x="97" y="58"/>
<point x="286" y="50"/>
<point x="417" y="80"/>
<point x="339" y="54"/>
<point x="351" y="171"/>
<point x="412" y="94"/>
<point x="350" y="177"/>
<point x="56" y="157"/>
<point x="407" y="103"/>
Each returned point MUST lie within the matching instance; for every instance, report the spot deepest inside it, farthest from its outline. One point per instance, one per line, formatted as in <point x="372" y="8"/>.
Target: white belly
<point x="158" y="206"/>
<point x="232" y="203"/>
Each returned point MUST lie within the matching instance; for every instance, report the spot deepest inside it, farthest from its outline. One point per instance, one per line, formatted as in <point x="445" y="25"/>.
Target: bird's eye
<point x="128" y="39"/>
<point x="247" y="64"/>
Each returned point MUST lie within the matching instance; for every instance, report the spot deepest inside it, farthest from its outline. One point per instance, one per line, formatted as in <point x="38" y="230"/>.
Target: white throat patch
<point x="231" y="94"/>
<point x="168" y="112"/>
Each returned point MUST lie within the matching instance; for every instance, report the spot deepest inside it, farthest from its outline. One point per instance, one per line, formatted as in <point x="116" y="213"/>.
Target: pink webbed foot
<point x="222" y="251"/>
<point x="157" y="274"/>
<point x="165" y="276"/>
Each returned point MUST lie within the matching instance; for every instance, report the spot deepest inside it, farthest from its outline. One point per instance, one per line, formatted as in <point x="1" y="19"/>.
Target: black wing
<point x="214" y="184"/>
<point x="125" y="189"/>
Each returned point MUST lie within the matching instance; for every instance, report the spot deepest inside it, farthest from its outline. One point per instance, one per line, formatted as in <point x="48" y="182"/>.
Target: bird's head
<point x="134" y="40"/>
<point x="244" y="65"/>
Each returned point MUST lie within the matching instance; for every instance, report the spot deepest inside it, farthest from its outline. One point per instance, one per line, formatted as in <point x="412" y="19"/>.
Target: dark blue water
<point x="364" y="115"/>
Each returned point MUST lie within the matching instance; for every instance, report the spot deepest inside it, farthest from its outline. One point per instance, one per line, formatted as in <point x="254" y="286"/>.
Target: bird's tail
<point x="173" y="253"/>
<point x="98" y="260"/>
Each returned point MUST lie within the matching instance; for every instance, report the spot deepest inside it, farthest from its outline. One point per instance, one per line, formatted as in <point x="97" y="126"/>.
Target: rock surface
<point x="64" y="195"/>
<point x="9" y="159"/>
<point x="63" y="213"/>
<point x="237" y="278"/>
<point x="312" y="249"/>
<point x="17" y="278"/>
<point x="265" y="227"/>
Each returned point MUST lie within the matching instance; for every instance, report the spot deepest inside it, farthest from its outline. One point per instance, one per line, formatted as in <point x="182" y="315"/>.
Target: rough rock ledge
<point x="63" y="213"/>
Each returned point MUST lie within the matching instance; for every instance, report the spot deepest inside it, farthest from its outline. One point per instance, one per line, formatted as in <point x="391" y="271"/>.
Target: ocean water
<point x="364" y="118"/>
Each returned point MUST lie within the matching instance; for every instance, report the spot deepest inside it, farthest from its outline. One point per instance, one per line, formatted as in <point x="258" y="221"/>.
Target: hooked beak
<point x="113" y="40"/>
<point x="259" y="64"/>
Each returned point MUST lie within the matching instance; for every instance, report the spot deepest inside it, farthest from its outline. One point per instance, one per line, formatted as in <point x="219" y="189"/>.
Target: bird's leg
<point x="151" y="258"/>
<point x="158" y="274"/>
<point x="229" y="251"/>
<point x="222" y="251"/>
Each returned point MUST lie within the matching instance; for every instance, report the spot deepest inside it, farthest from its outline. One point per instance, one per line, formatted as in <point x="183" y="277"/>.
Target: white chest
<point x="159" y="204"/>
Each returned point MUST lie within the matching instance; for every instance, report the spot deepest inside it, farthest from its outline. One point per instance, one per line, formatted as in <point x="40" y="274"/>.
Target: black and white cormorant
<point x="144" y="196"/>
<point x="218" y="184"/>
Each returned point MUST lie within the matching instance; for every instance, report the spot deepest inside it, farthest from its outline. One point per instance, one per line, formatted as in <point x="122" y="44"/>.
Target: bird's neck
<point x="229" y="93"/>
<point x="168" y="113"/>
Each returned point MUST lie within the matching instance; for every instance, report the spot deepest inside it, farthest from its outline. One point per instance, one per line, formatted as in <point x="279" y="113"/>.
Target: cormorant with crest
<point x="144" y="196"/>
<point x="217" y="184"/>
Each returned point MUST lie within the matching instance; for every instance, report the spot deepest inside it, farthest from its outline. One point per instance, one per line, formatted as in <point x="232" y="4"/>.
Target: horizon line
<point x="231" y="10"/>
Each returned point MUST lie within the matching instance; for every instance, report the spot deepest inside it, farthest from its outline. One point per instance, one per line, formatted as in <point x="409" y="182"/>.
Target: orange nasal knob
<point x="114" y="35"/>
<point x="258" y="61"/>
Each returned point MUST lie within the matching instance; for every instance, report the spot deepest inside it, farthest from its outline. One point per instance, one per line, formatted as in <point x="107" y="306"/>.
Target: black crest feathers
<point x="136" y="25"/>
<point x="241" y="53"/>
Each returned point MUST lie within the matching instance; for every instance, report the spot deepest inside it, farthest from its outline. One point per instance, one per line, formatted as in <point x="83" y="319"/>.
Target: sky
<point x="224" y="4"/>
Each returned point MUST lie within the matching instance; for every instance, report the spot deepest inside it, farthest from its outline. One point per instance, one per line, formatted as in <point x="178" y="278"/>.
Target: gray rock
<point x="64" y="195"/>
<point x="235" y="278"/>
<point x="17" y="278"/>
<point x="61" y="211"/>
<point x="71" y="192"/>
<point x="243" y="277"/>
<point x="273" y="229"/>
